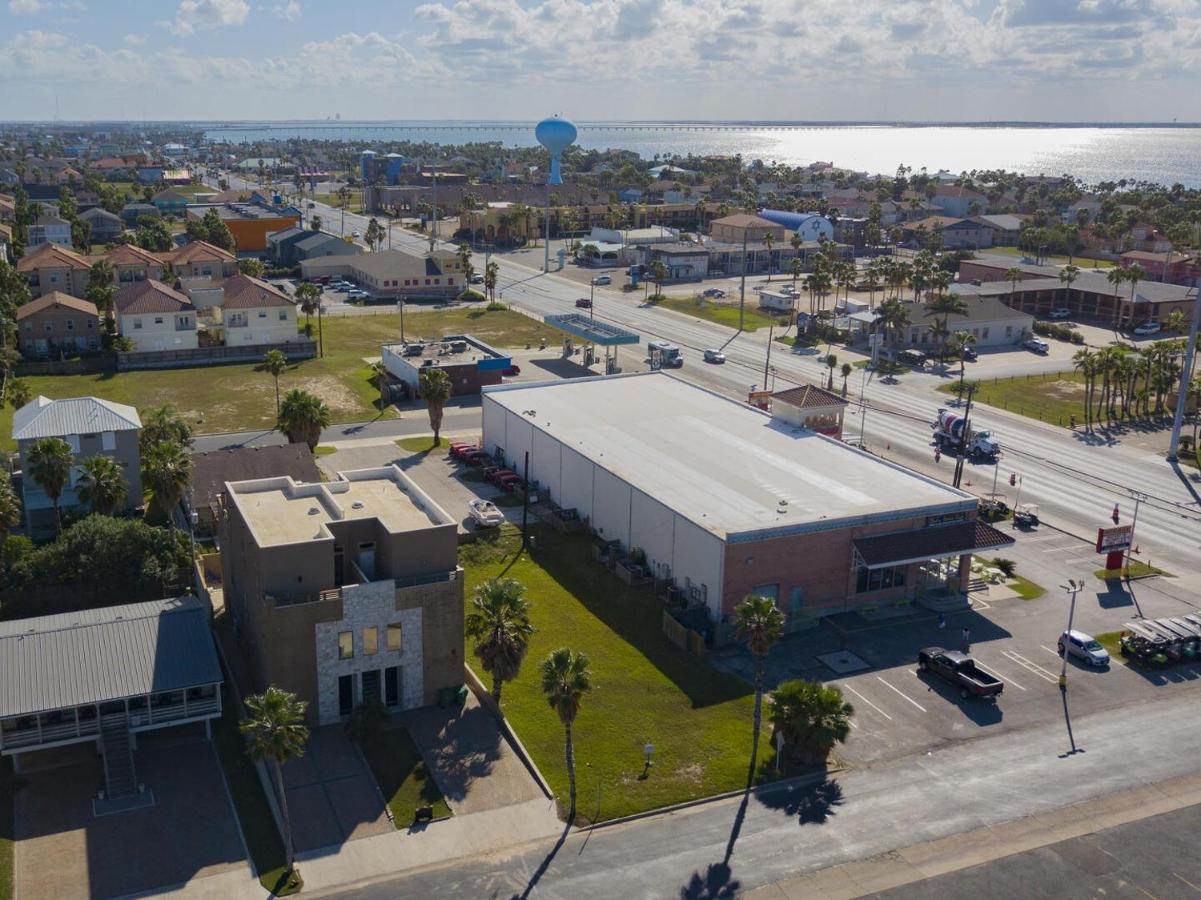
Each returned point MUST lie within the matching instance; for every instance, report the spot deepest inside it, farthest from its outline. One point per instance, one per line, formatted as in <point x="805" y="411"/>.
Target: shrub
<point x="470" y="296"/>
<point x="495" y="307"/>
<point x="1007" y="566"/>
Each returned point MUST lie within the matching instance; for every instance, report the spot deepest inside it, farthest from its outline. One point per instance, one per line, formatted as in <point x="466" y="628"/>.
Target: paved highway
<point x="1075" y="480"/>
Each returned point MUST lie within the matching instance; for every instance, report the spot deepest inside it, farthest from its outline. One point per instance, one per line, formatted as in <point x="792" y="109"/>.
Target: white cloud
<point x="23" y="7"/>
<point x="193" y="14"/>
<point x="289" y="10"/>
<point x="135" y="40"/>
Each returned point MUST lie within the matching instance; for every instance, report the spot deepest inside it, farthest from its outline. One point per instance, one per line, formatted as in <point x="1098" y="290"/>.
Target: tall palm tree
<point x="1067" y="276"/>
<point x="102" y="484"/>
<point x="499" y="623"/>
<point x="831" y="362"/>
<point x="812" y="716"/>
<point x="893" y="316"/>
<point x="566" y="678"/>
<point x="275" y="364"/>
<point x="946" y="305"/>
<point x="308" y="298"/>
<point x="10" y="510"/>
<point x="277" y="733"/>
<point x="49" y="462"/>
<point x="1134" y="274"/>
<point x="434" y="387"/>
<point x="1013" y="275"/>
<point x="167" y="471"/>
<point x="1116" y="276"/>
<point x="102" y="284"/>
<point x="302" y="416"/>
<point x="163" y="423"/>
<point x="846" y="370"/>
<point x="491" y="277"/>
<point x="960" y="341"/>
<point x="768" y="242"/>
<point x="760" y="624"/>
<point x="1085" y="362"/>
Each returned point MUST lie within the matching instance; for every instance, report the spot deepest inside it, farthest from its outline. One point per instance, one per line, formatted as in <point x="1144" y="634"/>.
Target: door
<point x="392" y="686"/>
<point x="345" y="694"/>
<point x="371" y="686"/>
<point x="366" y="560"/>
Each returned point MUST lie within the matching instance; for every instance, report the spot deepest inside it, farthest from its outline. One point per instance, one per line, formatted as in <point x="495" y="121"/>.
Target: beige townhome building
<point x="155" y="317"/>
<point x="344" y="592"/>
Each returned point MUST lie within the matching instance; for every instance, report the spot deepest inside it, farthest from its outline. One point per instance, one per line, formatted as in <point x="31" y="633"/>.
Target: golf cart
<point x="1025" y="515"/>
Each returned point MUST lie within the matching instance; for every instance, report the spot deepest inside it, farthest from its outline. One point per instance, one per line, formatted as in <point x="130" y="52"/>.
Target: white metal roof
<point x="73" y="659"/>
<point x="718" y="462"/>
<point x="43" y="417"/>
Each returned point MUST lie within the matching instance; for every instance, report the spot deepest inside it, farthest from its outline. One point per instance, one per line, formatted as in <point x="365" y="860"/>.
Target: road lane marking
<point x="1186" y="881"/>
<point x="891" y="688"/>
<point x="1030" y="666"/>
<point x="868" y="702"/>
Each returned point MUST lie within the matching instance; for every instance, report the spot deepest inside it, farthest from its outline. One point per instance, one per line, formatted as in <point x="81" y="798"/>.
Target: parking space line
<point x="1030" y="666"/>
<point x="891" y="688"/>
<point x="1049" y="650"/>
<point x="1008" y="679"/>
<point x="868" y="702"/>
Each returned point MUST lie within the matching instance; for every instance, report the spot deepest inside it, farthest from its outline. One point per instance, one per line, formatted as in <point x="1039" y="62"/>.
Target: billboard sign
<point x="1115" y="538"/>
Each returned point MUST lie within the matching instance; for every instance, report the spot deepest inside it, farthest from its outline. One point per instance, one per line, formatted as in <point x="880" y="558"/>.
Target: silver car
<point x="1083" y="647"/>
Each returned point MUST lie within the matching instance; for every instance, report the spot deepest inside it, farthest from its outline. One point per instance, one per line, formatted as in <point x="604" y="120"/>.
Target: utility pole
<point x="742" y="285"/>
<point x="434" y="210"/>
<point x="1186" y="376"/>
<point x="546" y="229"/>
<point x="401" y="305"/>
<point x="1138" y="499"/>
<point x="1073" y="587"/>
<point x="767" y="362"/>
<point x="963" y="438"/>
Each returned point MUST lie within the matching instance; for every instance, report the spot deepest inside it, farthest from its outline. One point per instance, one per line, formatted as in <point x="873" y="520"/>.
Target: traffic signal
<point x="1013" y="479"/>
<point x="1115" y="514"/>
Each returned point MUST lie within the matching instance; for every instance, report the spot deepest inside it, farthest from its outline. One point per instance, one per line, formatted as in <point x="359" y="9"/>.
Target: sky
<point x="795" y="60"/>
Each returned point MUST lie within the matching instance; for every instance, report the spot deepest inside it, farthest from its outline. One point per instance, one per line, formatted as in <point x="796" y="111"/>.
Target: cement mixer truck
<point x="948" y="434"/>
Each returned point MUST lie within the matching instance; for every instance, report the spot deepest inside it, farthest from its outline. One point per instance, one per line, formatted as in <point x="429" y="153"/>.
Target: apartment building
<point x="344" y="592"/>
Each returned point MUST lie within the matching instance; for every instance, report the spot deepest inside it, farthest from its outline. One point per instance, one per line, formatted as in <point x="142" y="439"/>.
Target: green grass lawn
<point x="423" y="444"/>
<point x="402" y="776"/>
<point x="258" y="825"/>
<point x="1084" y="262"/>
<point x="325" y="450"/>
<point x="646" y="690"/>
<point x="1025" y="588"/>
<point x="1053" y="397"/>
<point x="353" y="205"/>
<point x="721" y="313"/>
<point x="7" y="828"/>
<point x="242" y="398"/>
<point x="1136" y="569"/>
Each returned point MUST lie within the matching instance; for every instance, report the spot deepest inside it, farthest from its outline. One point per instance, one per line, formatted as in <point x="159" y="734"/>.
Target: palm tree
<point x="1013" y="275"/>
<point x="658" y="273"/>
<point x="566" y="678"/>
<point x="102" y="484"/>
<point x="19" y="393"/>
<point x="960" y="341"/>
<point x="1134" y="274"/>
<point x="167" y="471"/>
<point x="499" y="623"/>
<point x="893" y="316"/>
<point x="491" y="276"/>
<point x="831" y="362"/>
<point x="768" y="242"/>
<point x="275" y="364"/>
<point x="308" y="298"/>
<point x="1085" y="362"/>
<point x="102" y="284"/>
<point x="434" y="387"/>
<point x="49" y="462"/>
<point x="812" y="716"/>
<point x="847" y="369"/>
<point x="277" y="734"/>
<point x="760" y="625"/>
<point x="1067" y="275"/>
<point x="302" y="416"/>
<point x="946" y="305"/>
<point x="164" y="424"/>
<point x="374" y="234"/>
<point x="1116" y="276"/>
<point x="10" y="510"/>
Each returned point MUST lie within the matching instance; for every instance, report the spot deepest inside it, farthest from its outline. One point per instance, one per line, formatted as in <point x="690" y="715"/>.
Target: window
<point x="108" y="441"/>
<point x="49" y="327"/>
<point x="91" y="324"/>
<point x="796" y="600"/>
<point x="70" y="324"/>
<point x="1008" y="331"/>
<point x="283" y="315"/>
<point x="346" y="645"/>
<point x="262" y="314"/>
<point x="395" y="641"/>
<point x="137" y="324"/>
<point x="370" y="641"/>
<point x="984" y="334"/>
<point x="770" y="591"/>
<point x="158" y="320"/>
<point x="29" y="326"/>
<point x="879" y="579"/>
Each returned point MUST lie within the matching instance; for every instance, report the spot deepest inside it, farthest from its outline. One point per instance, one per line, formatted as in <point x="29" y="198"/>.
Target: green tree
<point x="81" y="235"/>
<point x="49" y="462"/>
<point x="102" y="284"/>
<point x="252" y="267"/>
<point x="1013" y="275"/>
<point x="167" y="472"/>
<point x="315" y="223"/>
<point x="1067" y="276"/>
<point x="491" y="277"/>
<point x="19" y="393"/>
<point x="275" y="364"/>
<point x="302" y="416"/>
<point x="813" y="717"/>
<point x="153" y="235"/>
<point x="10" y="511"/>
<point x="846" y="371"/>
<point x="658" y="273"/>
<point x="277" y="734"/>
<point x="434" y="387"/>
<point x="946" y="305"/>
<point x="498" y="621"/>
<point x="216" y="232"/>
<point x="959" y="343"/>
<point x="308" y="298"/>
<point x="566" y="678"/>
<point x="375" y="234"/>
<point x="760" y="624"/>
<point x="1116" y="276"/>
<point x="1134" y="274"/>
<point x="831" y="361"/>
<point x="102" y="484"/>
<point x="163" y="423"/>
<point x="769" y="242"/>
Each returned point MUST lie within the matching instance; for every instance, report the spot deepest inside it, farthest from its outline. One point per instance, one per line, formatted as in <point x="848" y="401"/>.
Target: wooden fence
<point x="683" y="637"/>
<point x="209" y="356"/>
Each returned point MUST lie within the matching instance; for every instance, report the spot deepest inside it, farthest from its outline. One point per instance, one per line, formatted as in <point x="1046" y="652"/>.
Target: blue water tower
<point x="556" y="135"/>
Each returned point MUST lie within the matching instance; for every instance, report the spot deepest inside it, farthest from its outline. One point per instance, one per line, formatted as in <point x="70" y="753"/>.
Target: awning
<point x="929" y="543"/>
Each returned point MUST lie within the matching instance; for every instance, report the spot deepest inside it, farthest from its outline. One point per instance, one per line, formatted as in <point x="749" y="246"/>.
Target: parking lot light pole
<point x="1073" y="587"/>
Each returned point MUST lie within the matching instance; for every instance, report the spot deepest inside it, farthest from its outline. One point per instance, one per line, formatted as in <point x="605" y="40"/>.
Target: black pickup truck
<point x="960" y="670"/>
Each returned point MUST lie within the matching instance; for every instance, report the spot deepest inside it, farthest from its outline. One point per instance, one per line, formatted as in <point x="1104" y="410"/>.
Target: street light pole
<point x="1138" y="499"/>
<point x="1073" y="587"/>
<point x="742" y="285"/>
<point x="1186" y="375"/>
<point x="591" y="301"/>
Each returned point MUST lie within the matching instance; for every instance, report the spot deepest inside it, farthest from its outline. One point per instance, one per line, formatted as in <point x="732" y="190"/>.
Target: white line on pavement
<point x="1008" y="679"/>
<point x="1049" y="650"/>
<point x="868" y="702"/>
<point x="893" y="689"/>
<point x="1030" y="666"/>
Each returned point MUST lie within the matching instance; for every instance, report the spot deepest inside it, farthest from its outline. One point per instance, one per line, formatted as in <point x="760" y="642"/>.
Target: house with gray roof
<point x="91" y="427"/>
<point x="322" y="244"/>
<point x="104" y="676"/>
<point x="106" y="226"/>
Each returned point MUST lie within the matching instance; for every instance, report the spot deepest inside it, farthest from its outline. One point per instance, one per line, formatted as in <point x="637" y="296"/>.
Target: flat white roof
<point x="719" y="463"/>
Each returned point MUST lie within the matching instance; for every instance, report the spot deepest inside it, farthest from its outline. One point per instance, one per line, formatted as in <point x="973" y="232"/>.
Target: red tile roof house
<point x="57" y="323"/>
<point x="256" y="313"/>
<point x="155" y="317"/>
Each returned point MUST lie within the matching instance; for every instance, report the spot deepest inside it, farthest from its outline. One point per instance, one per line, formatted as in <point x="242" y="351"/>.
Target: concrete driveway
<point x="189" y="833"/>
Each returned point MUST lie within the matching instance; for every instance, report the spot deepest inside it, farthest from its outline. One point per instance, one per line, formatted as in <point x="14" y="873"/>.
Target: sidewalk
<point x="472" y="835"/>
<point x="920" y="861"/>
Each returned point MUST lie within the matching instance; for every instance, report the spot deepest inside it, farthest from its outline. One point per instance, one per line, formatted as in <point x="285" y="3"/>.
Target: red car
<point x="511" y="370"/>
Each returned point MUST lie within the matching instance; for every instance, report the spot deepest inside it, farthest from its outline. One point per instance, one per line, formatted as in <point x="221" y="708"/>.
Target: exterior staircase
<point x="951" y="601"/>
<point x="119" y="775"/>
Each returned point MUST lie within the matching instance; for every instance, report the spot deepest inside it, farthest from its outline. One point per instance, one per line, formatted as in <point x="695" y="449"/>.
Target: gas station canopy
<point x="592" y="331"/>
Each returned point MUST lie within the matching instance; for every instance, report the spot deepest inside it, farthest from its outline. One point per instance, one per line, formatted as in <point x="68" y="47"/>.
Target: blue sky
<point x="1116" y="60"/>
